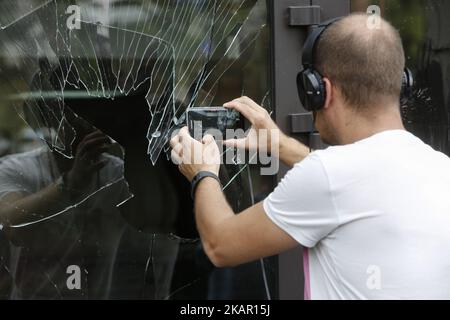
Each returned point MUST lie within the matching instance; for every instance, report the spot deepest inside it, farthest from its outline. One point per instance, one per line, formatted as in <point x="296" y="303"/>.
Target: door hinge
<point x="304" y="15"/>
<point x="302" y="123"/>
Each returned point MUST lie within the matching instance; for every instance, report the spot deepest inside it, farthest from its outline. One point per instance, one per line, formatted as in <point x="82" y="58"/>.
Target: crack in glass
<point x="67" y="56"/>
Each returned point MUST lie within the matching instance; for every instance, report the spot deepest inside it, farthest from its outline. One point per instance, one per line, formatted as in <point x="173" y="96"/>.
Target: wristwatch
<point x="199" y="177"/>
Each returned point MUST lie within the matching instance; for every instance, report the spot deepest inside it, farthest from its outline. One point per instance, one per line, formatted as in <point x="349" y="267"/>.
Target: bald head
<point x="365" y="63"/>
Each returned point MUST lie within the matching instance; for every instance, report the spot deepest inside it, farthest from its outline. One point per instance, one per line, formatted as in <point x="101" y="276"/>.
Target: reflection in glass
<point x="90" y="206"/>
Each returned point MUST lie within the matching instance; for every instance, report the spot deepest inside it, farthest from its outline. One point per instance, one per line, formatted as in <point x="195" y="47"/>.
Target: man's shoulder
<point x="386" y="150"/>
<point x="362" y="155"/>
<point x="337" y="154"/>
<point x="22" y="159"/>
<point x="386" y="141"/>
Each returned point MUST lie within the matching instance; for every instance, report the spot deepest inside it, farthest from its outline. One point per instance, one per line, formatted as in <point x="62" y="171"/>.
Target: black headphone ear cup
<point x="321" y="95"/>
<point x="311" y="90"/>
<point x="301" y="88"/>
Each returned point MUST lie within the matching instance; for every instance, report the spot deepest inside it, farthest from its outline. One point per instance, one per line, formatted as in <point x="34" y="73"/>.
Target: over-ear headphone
<point x="310" y="85"/>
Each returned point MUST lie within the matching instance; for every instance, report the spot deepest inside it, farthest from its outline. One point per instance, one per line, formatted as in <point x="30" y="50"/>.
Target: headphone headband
<point x="311" y="41"/>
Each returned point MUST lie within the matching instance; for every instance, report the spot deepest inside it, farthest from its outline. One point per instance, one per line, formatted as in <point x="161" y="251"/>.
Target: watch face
<point x="211" y="120"/>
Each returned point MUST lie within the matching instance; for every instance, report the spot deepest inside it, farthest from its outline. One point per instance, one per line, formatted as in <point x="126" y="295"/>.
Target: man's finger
<point x="208" y="139"/>
<point x="249" y="102"/>
<point x="176" y="159"/>
<point x="174" y="141"/>
<point x="184" y="131"/>
<point x="236" y="143"/>
<point x="178" y="148"/>
<point x="184" y="134"/>
<point x="87" y="145"/>
<point x="95" y="134"/>
<point x="243" y="109"/>
<point x="95" y="153"/>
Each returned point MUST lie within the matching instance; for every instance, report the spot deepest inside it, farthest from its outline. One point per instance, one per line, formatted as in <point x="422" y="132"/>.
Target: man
<point x="372" y="210"/>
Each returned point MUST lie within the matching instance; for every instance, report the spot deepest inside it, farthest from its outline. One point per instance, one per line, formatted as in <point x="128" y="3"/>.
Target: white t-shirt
<point x="375" y="216"/>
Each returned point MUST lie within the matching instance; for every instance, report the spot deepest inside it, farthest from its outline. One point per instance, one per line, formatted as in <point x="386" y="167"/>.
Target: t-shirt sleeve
<point x="302" y="204"/>
<point x="11" y="181"/>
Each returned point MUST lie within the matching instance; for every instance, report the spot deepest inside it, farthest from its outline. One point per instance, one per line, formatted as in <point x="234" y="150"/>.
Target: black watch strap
<point x="199" y="177"/>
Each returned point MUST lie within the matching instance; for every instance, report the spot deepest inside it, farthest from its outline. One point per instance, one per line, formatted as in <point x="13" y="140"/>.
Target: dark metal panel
<point x="286" y="63"/>
<point x="302" y="123"/>
<point x="287" y="42"/>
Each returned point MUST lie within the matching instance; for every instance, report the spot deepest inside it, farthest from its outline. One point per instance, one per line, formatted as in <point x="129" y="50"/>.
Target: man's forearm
<point x="292" y="151"/>
<point x="17" y="209"/>
<point x="211" y="210"/>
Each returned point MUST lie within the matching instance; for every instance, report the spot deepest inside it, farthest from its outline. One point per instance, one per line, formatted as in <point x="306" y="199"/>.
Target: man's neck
<point x="362" y="127"/>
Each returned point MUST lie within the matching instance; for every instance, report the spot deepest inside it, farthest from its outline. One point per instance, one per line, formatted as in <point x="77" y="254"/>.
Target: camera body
<point x="212" y="120"/>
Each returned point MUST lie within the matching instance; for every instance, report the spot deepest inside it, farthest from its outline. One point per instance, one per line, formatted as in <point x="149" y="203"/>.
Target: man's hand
<point x="290" y="151"/>
<point x="260" y="120"/>
<point x="87" y="160"/>
<point x="193" y="156"/>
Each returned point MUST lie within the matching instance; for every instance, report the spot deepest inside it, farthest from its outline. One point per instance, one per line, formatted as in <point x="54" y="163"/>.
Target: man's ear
<point x="330" y="93"/>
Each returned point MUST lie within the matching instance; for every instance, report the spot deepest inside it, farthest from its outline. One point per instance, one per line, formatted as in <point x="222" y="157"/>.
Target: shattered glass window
<point x="91" y="206"/>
